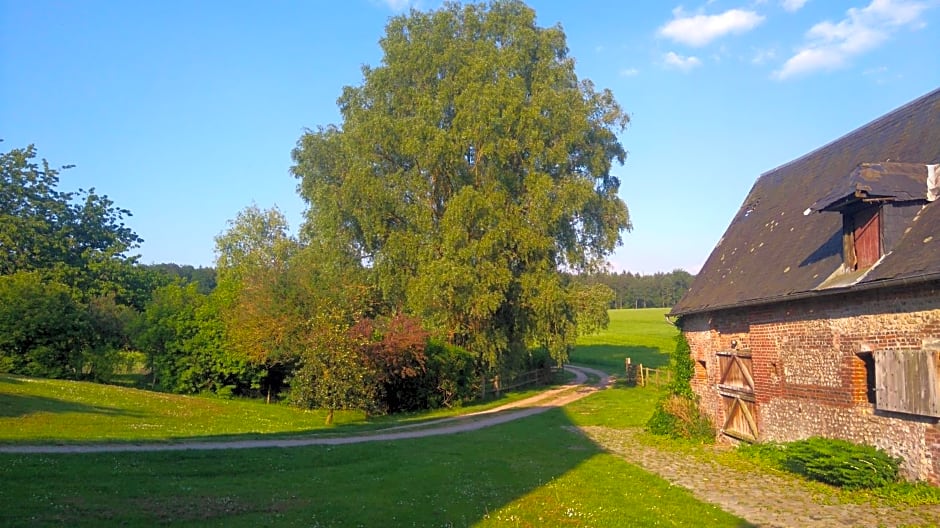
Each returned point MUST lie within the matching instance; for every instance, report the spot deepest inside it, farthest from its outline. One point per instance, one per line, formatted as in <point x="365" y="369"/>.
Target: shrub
<point x="394" y="348"/>
<point x="677" y="414"/>
<point x="841" y="463"/>
<point x="43" y="330"/>
<point x="451" y="375"/>
<point x="680" y="417"/>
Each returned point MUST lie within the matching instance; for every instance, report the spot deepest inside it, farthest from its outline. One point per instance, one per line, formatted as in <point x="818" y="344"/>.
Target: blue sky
<point x="186" y="112"/>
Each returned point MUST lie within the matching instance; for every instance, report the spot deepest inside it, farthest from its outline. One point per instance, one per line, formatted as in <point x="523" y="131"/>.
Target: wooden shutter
<point x="867" y="237"/>
<point x="736" y="387"/>
<point x="908" y="381"/>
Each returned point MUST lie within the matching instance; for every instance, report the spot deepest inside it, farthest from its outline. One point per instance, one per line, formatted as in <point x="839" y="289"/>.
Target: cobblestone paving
<point x="763" y="500"/>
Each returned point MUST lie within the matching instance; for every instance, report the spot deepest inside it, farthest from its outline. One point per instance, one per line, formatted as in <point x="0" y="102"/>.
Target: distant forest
<point x="631" y="290"/>
<point x="659" y="290"/>
<point x="203" y="277"/>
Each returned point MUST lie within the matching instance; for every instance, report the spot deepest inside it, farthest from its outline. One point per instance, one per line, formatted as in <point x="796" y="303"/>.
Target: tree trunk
<point x="269" y="394"/>
<point x="329" y="417"/>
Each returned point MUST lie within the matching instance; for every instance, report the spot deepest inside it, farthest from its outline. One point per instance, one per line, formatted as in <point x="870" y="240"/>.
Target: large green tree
<point x="471" y="167"/>
<point x="76" y="238"/>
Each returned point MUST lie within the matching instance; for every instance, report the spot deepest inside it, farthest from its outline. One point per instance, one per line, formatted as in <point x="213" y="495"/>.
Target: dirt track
<point x="539" y="403"/>
<point x="767" y="501"/>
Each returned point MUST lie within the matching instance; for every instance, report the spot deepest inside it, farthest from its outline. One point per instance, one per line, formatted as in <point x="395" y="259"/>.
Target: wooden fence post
<point x="631" y="372"/>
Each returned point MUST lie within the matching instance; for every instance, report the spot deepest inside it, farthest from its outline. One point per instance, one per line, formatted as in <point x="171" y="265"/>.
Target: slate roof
<point x="772" y="251"/>
<point x="889" y="180"/>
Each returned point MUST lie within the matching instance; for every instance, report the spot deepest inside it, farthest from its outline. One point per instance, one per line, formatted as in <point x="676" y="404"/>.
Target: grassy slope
<point x="533" y="472"/>
<point x="59" y="411"/>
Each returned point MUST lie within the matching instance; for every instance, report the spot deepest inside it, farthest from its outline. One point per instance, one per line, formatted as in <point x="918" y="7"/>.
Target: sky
<point x="186" y="112"/>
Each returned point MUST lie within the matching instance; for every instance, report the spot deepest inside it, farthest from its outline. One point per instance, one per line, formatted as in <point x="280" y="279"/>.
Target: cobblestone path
<point x="763" y="500"/>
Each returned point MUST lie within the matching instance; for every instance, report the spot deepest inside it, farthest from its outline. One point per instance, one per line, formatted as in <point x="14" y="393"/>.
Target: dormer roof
<point x="775" y="249"/>
<point x="877" y="182"/>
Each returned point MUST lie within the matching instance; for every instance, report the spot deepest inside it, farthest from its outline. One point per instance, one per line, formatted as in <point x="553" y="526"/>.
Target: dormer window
<point x="861" y="237"/>
<point x="876" y="201"/>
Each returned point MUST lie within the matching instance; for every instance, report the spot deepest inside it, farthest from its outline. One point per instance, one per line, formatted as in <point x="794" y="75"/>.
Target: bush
<point x="394" y="347"/>
<point x="451" y="376"/>
<point x="43" y="330"/>
<point x="677" y="414"/>
<point x="841" y="463"/>
<point x="680" y="417"/>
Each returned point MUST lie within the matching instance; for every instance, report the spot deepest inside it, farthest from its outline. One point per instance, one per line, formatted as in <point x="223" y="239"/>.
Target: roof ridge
<point x="873" y="124"/>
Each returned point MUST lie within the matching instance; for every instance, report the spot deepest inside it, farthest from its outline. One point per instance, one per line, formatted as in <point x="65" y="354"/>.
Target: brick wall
<point x="809" y="377"/>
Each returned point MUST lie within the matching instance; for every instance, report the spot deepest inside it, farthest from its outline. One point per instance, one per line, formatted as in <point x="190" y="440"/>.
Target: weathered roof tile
<point x="773" y="251"/>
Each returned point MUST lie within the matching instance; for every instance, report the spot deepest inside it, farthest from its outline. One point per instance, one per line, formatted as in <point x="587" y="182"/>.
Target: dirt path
<point x="764" y="500"/>
<point x="572" y="391"/>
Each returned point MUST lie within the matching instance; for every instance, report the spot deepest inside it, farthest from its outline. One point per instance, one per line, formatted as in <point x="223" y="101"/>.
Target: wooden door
<point x="867" y="237"/>
<point x="736" y="387"/>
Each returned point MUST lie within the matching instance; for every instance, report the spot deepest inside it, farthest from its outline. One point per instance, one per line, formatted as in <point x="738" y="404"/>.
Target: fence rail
<point x="637" y="374"/>
<point x="497" y="384"/>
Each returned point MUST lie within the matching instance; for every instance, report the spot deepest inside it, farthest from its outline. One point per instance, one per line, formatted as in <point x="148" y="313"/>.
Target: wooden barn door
<point x="736" y="387"/>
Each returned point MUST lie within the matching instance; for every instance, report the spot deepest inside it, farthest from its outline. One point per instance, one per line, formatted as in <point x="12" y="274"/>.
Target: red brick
<point x="808" y="377"/>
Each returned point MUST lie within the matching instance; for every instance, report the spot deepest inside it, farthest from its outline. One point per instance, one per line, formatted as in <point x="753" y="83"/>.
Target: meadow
<point x="643" y="335"/>
<point x="538" y="471"/>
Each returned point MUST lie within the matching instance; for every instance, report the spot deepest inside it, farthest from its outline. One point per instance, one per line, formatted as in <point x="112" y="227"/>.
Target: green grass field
<point x="534" y="472"/>
<point x="644" y="335"/>
<point x="63" y="412"/>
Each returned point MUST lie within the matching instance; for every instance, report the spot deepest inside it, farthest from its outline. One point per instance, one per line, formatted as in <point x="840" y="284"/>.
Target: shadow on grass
<point x="535" y="471"/>
<point x="612" y="356"/>
<point x="18" y="405"/>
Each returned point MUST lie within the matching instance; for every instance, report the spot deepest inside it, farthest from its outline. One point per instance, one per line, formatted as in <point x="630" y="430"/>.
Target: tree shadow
<point x="538" y="470"/>
<point x="19" y="405"/>
<point x="612" y="356"/>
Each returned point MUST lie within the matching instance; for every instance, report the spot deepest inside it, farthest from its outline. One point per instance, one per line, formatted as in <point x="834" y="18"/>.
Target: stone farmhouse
<point x="818" y="312"/>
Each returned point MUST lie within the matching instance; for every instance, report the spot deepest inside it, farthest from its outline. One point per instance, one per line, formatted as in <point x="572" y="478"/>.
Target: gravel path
<point x="764" y="500"/>
<point x="572" y="391"/>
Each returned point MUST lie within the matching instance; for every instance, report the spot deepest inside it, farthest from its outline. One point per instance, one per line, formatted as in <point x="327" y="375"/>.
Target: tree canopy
<point x="470" y="169"/>
<point x="77" y="238"/>
<point x="67" y="286"/>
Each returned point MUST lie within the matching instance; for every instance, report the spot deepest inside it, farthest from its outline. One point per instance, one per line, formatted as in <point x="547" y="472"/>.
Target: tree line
<point x="634" y="290"/>
<point x="470" y="167"/>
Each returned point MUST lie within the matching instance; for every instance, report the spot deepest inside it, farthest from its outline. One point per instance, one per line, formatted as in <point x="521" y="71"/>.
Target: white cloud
<point x="793" y="5"/>
<point x="830" y="45"/>
<point x="763" y="55"/>
<point x="674" y="60"/>
<point x="699" y="30"/>
<point x="629" y="72"/>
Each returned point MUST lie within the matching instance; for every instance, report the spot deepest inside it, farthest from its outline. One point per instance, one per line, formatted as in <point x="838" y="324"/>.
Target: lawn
<point x="539" y="471"/>
<point x="644" y="335"/>
<point x="59" y="411"/>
